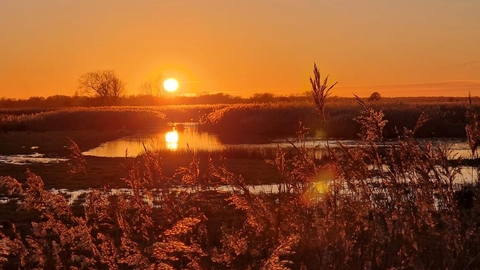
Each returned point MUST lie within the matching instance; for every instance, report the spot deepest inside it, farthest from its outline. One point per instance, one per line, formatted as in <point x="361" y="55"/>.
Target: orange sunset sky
<point x="398" y="48"/>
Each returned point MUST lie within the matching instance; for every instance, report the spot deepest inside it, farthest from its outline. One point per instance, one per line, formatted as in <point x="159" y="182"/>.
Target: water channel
<point x="177" y="137"/>
<point x="467" y="175"/>
<point x="188" y="137"/>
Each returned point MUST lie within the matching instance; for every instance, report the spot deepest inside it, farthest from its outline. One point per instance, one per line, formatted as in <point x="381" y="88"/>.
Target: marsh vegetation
<point x="363" y="206"/>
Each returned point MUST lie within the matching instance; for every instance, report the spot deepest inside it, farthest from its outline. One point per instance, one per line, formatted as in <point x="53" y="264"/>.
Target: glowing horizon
<point x="398" y="48"/>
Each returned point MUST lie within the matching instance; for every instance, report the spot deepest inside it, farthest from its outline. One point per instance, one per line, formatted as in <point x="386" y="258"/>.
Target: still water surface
<point x="187" y="137"/>
<point x="178" y="137"/>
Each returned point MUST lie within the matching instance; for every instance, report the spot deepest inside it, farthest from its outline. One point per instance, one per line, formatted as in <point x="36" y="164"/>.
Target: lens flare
<point x="320" y="186"/>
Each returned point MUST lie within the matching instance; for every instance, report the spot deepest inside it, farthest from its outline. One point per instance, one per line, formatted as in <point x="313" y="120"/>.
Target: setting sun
<point x="170" y="85"/>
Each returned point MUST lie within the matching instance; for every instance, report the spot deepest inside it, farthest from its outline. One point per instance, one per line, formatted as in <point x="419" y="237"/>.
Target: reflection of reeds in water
<point x="246" y="152"/>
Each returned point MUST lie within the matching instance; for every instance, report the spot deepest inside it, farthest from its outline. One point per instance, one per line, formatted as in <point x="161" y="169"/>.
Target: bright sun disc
<point x="171" y="85"/>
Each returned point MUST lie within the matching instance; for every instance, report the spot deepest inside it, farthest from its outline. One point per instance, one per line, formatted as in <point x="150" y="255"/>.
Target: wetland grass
<point x="362" y="208"/>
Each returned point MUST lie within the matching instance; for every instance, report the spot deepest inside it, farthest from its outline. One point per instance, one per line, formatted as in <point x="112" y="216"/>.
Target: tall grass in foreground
<point x="362" y="208"/>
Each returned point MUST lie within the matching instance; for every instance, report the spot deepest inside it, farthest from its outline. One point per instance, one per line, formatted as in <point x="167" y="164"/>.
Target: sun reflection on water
<point x="171" y="138"/>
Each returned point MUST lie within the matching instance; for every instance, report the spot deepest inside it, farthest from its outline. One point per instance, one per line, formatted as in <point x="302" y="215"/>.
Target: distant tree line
<point x="105" y="88"/>
<point x="218" y="98"/>
<point x="142" y="100"/>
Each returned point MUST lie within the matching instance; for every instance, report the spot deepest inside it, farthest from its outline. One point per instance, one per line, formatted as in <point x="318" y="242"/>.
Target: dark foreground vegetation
<point x="368" y="207"/>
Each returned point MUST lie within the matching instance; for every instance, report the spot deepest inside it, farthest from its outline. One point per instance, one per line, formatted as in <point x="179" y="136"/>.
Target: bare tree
<point x="103" y="84"/>
<point x="151" y="87"/>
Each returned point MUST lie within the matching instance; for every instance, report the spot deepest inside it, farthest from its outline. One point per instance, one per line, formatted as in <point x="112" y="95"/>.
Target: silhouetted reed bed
<point x="244" y="152"/>
<point x="20" y="111"/>
<point x="447" y="119"/>
<point x="254" y="121"/>
<point x="99" y="118"/>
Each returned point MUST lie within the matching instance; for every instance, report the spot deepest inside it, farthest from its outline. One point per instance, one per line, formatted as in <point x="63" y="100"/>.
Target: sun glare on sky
<point x="170" y="85"/>
<point x="398" y="48"/>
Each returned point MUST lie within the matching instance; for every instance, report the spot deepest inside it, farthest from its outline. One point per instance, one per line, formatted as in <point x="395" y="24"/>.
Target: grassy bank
<point x="109" y="171"/>
<point x="53" y="143"/>
<point x="100" y="118"/>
